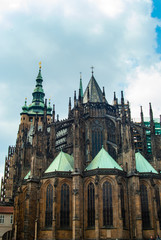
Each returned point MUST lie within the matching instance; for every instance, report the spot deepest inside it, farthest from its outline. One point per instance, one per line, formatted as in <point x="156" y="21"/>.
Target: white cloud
<point x="116" y="36"/>
<point x="144" y="86"/>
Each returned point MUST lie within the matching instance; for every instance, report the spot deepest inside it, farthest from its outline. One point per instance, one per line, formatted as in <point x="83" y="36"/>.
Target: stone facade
<point x="100" y="203"/>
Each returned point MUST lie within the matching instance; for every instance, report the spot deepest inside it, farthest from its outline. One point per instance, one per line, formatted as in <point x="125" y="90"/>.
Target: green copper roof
<point x="25" y="108"/>
<point x="103" y="160"/>
<point x="38" y="94"/>
<point x="63" y="162"/>
<point x="95" y="93"/>
<point x="28" y="175"/>
<point x="37" y="105"/>
<point x="142" y="165"/>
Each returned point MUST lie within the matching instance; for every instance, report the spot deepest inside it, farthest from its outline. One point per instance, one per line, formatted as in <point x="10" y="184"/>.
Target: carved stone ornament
<point x="137" y="192"/>
<point x="97" y="179"/>
<point x="152" y="182"/>
<point x="118" y="179"/>
<point x="56" y="182"/>
<point x="75" y="191"/>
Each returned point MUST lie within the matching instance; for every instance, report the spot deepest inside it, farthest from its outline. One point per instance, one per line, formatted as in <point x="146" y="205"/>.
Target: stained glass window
<point x="64" y="210"/>
<point x="97" y="141"/>
<point x="91" y="205"/>
<point x="49" y="206"/>
<point x="107" y="205"/>
<point x="145" y="207"/>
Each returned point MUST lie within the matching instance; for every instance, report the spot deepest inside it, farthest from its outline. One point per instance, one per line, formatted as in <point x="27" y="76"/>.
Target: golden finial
<point x="40" y="65"/>
<point x="49" y="99"/>
<point x="26" y="98"/>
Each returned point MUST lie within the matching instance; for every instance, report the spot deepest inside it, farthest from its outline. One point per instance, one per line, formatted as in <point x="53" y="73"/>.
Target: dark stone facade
<point x="91" y="123"/>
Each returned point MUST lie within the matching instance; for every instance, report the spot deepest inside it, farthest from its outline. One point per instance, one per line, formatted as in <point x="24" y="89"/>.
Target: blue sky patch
<point x="156" y="13"/>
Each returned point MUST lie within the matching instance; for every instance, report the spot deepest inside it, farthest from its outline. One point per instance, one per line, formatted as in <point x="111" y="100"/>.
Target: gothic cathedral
<point x="94" y="175"/>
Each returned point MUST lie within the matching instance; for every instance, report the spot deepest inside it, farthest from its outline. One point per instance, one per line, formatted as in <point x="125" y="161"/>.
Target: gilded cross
<point x="92" y="69"/>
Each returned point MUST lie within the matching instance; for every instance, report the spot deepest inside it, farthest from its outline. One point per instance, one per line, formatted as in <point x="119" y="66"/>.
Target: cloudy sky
<point x="120" y="38"/>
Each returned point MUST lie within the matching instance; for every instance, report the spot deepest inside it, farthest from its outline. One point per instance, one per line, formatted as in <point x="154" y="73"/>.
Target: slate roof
<point x="63" y="162"/>
<point x="103" y="160"/>
<point x="142" y="165"/>
<point x="95" y="93"/>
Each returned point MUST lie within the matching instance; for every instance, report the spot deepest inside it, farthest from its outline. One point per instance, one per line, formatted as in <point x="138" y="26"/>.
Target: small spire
<point x="129" y="111"/>
<point x="151" y="112"/>
<point x="69" y="110"/>
<point x="80" y="85"/>
<point x="103" y="91"/>
<point x="114" y="96"/>
<point x="70" y="101"/>
<point x="122" y="97"/>
<point x="115" y="100"/>
<point x="53" y="112"/>
<point x="141" y="114"/>
<point x="74" y="98"/>
<point x="103" y="94"/>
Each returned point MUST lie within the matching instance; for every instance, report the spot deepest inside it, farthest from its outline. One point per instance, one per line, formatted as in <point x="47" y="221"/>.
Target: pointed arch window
<point x="97" y="137"/>
<point x="49" y="206"/>
<point x="91" y="205"/>
<point x="157" y="196"/>
<point x="145" y="207"/>
<point x="122" y="205"/>
<point x="64" y="209"/>
<point x="107" y="205"/>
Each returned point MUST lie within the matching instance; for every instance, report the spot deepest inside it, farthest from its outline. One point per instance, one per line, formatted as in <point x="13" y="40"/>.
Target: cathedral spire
<point x="38" y="94"/>
<point x="93" y="92"/>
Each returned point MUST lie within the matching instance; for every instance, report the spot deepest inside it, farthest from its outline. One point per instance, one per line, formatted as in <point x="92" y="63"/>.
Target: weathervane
<point x="40" y="65"/>
<point x="92" y="70"/>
